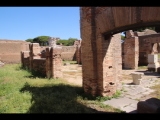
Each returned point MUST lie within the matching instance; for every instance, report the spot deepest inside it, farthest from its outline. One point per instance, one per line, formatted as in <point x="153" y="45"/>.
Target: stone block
<point x="137" y="77"/>
<point x="152" y="58"/>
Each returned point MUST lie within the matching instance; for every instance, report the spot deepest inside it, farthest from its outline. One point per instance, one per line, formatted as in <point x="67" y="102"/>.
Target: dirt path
<point x="73" y="74"/>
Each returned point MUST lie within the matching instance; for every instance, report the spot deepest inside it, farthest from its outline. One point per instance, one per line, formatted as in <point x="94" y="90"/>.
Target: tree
<point x="29" y="40"/>
<point x="65" y="42"/>
<point x="122" y="37"/>
<point x="42" y="40"/>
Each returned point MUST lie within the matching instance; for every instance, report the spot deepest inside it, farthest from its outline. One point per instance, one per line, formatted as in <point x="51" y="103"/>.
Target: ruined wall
<point x="147" y="45"/>
<point x="10" y="50"/>
<point x="68" y="53"/>
<point x="39" y="65"/>
<point x="50" y="66"/>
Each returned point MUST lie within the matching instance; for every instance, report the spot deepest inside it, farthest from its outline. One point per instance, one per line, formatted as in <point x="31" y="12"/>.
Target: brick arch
<point x="101" y="46"/>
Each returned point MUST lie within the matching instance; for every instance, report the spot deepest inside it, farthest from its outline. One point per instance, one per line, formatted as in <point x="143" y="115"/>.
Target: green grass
<point x="142" y="67"/>
<point x="157" y="90"/>
<point x="159" y="56"/>
<point x="22" y="92"/>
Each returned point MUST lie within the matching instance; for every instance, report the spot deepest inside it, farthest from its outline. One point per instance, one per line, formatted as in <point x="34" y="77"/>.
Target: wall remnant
<point x="10" y="50"/>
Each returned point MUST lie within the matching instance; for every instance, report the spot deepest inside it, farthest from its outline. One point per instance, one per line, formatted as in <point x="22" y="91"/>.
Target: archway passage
<point x="101" y="43"/>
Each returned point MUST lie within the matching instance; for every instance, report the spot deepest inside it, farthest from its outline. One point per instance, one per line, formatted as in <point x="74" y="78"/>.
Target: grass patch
<point x="142" y="67"/>
<point x="21" y="93"/>
<point x="157" y="90"/>
<point x="158" y="56"/>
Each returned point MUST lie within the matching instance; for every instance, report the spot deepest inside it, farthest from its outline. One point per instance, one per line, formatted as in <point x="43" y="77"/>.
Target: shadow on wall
<point x="56" y="99"/>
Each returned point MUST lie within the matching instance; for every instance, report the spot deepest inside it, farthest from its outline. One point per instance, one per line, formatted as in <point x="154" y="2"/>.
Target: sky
<point x="21" y="23"/>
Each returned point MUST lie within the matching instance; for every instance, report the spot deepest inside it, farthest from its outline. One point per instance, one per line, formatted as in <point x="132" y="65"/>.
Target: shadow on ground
<point x="149" y="73"/>
<point x="56" y="99"/>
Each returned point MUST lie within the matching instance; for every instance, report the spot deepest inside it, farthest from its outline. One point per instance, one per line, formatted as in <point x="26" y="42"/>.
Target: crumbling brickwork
<point x="50" y="66"/>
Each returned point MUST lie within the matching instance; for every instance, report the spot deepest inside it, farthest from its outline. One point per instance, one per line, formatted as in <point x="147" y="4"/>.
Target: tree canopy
<point x="29" y="40"/>
<point x="65" y="42"/>
<point x="43" y="41"/>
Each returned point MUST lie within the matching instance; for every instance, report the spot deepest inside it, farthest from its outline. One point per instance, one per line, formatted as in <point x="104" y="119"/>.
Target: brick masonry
<point x="101" y="58"/>
<point x="137" y="46"/>
<point x="50" y="66"/>
<point x="10" y="50"/>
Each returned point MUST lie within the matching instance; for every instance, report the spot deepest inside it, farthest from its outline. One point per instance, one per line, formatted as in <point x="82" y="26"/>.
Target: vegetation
<point x="29" y="40"/>
<point x="22" y="92"/>
<point x="157" y="91"/>
<point x="122" y="37"/>
<point x="70" y="62"/>
<point x="142" y="67"/>
<point x="43" y="41"/>
<point x="68" y="42"/>
<point x="143" y="28"/>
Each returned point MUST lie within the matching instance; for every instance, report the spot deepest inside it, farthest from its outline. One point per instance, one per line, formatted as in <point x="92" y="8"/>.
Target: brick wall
<point x="10" y="50"/>
<point x="68" y="53"/>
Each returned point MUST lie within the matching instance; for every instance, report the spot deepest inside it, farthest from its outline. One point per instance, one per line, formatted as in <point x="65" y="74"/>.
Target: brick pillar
<point x="89" y="53"/>
<point x="48" y="63"/>
<point x="54" y="63"/>
<point x="34" y="53"/>
<point x="109" y="64"/>
<point x="131" y="53"/>
<point x="101" y="59"/>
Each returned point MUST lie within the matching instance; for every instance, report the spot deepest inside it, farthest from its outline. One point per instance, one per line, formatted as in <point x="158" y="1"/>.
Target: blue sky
<point x="21" y="23"/>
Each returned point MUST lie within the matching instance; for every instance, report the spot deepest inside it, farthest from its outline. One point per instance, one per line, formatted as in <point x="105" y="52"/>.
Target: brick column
<point x="48" y="63"/>
<point x="89" y="53"/>
<point x="54" y="63"/>
<point x="131" y="53"/>
<point x="109" y="64"/>
<point x="101" y="59"/>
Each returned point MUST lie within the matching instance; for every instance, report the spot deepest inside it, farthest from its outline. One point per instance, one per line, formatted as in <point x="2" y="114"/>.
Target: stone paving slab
<point x="122" y="103"/>
<point x="129" y="108"/>
<point x="131" y="94"/>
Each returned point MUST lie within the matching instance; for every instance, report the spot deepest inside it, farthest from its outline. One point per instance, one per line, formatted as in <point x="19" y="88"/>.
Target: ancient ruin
<point x="101" y="44"/>
<point x="139" y="45"/>
<point x="100" y="48"/>
<point x="47" y="61"/>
